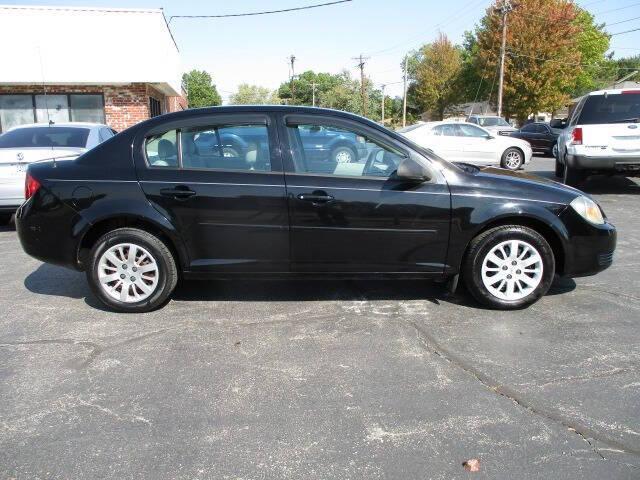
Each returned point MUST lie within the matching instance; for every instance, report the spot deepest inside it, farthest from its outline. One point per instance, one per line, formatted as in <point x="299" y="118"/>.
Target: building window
<point x="57" y="108"/>
<point x="155" y="107"/>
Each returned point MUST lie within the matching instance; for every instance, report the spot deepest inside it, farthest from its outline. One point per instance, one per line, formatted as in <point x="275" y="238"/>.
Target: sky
<point x="255" y="49"/>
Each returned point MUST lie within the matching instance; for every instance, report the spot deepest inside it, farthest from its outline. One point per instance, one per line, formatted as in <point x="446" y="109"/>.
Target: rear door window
<point x="162" y="149"/>
<point x="612" y="108"/>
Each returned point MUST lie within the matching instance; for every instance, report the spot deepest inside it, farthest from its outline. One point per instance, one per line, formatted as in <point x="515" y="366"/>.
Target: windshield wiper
<point x="627" y="120"/>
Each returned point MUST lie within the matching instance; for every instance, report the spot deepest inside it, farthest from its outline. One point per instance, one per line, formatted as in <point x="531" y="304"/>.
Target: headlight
<point x="588" y="209"/>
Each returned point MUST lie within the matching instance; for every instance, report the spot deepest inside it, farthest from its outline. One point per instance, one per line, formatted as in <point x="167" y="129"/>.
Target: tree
<point x="254" y="95"/>
<point x="437" y="76"/>
<point x="543" y="57"/>
<point x="593" y="43"/>
<point x="201" y="92"/>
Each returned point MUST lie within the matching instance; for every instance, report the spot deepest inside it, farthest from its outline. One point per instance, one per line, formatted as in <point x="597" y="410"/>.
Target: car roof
<point x="62" y="124"/>
<point x="613" y="91"/>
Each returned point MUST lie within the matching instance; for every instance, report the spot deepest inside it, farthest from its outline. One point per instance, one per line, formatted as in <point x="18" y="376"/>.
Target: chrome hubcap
<point x="512" y="270"/>
<point x="128" y="273"/>
<point x="343" y="156"/>
<point x="513" y="160"/>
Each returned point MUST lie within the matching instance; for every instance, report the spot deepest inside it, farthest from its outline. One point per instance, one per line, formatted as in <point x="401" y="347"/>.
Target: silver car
<point x="25" y="144"/>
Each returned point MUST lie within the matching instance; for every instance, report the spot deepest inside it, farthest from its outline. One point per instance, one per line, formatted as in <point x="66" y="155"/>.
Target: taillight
<point x="630" y="92"/>
<point x="576" y="136"/>
<point x="31" y="186"/>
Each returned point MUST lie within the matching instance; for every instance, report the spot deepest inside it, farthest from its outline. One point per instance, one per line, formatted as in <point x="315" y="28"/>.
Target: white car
<point x="464" y="142"/>
<point x="603" y="136"/>
<point x="22" y="145"/>
<point x="496" y="125"/>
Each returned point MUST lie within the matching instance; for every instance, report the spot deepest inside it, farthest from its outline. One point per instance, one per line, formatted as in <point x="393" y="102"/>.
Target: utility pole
<point x="383" y="87"/>
<point x="292" y="59"/>
<point x="504" y="10"/>
<point x="313" y="93"/>
<point x="404" y="99"/>
<point x="363" y="91"/>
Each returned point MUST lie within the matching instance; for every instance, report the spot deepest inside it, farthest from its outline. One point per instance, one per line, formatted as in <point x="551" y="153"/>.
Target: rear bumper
<point x="590" y="248"/>
<point x="585" y="162"/>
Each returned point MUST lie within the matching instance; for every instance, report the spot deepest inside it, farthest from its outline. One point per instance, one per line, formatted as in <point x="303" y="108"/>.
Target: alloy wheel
<point x="344" y="156"/>
<point x="512" y="270"/>
<point x="128" y="273"/>
<point x="512" y="160"/>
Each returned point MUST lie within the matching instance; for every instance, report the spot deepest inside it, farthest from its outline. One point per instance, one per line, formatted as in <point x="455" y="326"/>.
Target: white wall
<point x="91" y="46"/>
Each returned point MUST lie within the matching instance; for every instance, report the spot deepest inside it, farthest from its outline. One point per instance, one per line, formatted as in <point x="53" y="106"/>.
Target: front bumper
<point x="586" y="162"/>
<point x="590" y="248"/>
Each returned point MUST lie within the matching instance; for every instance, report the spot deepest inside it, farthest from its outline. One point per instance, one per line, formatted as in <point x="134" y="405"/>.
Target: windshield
<point x="613" y="108"/>
<point x="493" y="122"/>
<point x="53" y="137"/>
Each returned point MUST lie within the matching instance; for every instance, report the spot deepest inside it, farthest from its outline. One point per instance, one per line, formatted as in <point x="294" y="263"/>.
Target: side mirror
<point x="410" y="170"/>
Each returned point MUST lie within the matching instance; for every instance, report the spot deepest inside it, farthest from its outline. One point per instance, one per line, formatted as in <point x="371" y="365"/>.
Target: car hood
<point x="500" y="182"/>
<point x="35" y="154"/>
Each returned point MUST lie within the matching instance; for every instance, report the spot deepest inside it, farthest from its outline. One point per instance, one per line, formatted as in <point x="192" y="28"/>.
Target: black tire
<point x="559" y="169"/>
<point x="167" y="271"/>
<point x="572" y="176"/>
<point x="480" y="247"/>
<point x="5" y="218"/>
<point x="344" y="152"/>
<point x="505" y="163"/>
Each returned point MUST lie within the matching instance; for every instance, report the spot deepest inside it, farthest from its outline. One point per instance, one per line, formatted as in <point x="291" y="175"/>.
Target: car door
<point x="479" y="146"/>
<point x="227" y="197"/>
<point x="445" y="141"/>
<point x="357" y="217"/>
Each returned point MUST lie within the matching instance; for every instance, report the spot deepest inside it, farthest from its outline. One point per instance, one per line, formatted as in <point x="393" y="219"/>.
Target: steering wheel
<point x="369" y="168"/>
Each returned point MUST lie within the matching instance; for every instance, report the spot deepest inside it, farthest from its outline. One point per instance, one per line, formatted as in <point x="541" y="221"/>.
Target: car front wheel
<point x="509" y="267"/>
<point x="559" y="168"/>
<point x="131" y="270"/>
<point x="512" y="159"/>
<point x="344" y="155"/>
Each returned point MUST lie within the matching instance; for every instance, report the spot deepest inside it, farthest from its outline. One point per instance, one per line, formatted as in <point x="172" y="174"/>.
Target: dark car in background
<point x="320" y="143"/>
<point x="150" y="206"/>
<point x="542" y="137"/>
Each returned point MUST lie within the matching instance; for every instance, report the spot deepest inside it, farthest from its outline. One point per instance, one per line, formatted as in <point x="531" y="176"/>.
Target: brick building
<point x="72" y="67"/>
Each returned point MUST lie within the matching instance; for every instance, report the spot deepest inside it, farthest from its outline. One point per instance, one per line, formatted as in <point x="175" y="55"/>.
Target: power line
<point x="622" y="21"/>
<point x="626" y="31"/>
<point x="617" y="9"/>
<point x="266" y="12"/>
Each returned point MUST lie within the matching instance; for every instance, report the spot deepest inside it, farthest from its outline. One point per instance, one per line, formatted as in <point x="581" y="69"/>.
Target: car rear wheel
<point x="512" y="159"/>
<point x="344" y="155"/>
<point x="572" y="176"/>
<point x="131" y="270"/>
<point x="559" y="168"/>
<point x="5" y="218"/>
<point x="509" y="267"/>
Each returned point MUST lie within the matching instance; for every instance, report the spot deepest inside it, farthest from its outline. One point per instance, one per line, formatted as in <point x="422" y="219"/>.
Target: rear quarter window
<point x="614" y="108"/>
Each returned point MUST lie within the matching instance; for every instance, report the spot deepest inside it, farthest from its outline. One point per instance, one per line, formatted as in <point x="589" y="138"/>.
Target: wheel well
<point x="100" y="228"/>
<point x="539" y="226"/>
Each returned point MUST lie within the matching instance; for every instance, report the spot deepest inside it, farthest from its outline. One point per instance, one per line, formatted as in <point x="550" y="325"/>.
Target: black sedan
<point x="148" y="207"/>
<point x="542" y="137"/>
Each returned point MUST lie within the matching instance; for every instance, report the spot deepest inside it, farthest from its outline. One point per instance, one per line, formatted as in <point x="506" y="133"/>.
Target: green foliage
<point x="437" y="77"/>
<point x="592" y="43"/>
<point x="254" y="95"/>
<point x="201" y="92"/>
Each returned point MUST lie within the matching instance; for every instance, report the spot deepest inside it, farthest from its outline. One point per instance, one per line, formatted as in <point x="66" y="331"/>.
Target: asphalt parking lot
<point x="317" y="380"/>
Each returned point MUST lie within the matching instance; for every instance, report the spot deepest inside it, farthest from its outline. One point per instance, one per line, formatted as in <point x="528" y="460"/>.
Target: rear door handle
<point x="181" y="192"/>
<point x="315" y="198"/>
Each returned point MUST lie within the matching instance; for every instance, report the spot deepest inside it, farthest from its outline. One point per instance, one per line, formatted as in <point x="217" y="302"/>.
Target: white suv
<point x="603" y="136"/>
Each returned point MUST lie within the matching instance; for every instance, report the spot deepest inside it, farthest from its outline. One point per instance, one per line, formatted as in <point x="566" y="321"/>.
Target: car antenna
<point x="46" y="100"/>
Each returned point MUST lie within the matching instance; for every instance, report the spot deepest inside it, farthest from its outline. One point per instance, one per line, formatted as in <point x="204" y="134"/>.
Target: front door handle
<point x="315" y="198"/>
<point x="181" y="192"/>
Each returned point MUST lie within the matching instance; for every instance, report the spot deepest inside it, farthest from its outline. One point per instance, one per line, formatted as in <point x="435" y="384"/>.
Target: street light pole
<point x="383" y="86"/>
<point x="504" y="9"/>
<point x="404" y="100"/>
